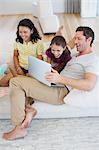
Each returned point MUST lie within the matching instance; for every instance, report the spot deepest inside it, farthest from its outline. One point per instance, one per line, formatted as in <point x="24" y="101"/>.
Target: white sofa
<point x="45" y="110"/>
<point x="78" y="104"/>
<point x="51" y="111"/>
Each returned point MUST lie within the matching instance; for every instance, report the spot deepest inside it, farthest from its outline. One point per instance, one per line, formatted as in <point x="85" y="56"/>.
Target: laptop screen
<point x="38" y="68"/>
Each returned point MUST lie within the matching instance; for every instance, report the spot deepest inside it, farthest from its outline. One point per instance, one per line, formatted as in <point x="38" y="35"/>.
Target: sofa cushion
<point x="81" y="98"/>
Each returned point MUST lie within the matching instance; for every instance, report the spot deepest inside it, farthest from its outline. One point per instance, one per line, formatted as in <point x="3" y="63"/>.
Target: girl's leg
<point x="8" y="75"/>
<point x="5" y="80"/>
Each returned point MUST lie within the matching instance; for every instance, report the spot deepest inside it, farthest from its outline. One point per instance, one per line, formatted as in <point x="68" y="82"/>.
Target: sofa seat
<point x="50" y="111"/>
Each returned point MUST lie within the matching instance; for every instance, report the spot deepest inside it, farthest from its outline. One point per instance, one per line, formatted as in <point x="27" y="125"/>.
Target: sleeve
<point x="40" y="48"/>
<point x="93" y="67"/>
<point x="15" y="45"/>
<point x="3" y="69"/>
<point x="48" y="53"/>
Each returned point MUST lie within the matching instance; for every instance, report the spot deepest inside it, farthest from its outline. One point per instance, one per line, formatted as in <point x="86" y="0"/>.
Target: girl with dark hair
<point x="28" y="42"/>
<point x="58" y="54"/>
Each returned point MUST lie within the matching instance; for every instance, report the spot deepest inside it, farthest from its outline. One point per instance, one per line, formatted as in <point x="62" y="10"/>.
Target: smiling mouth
<point x="57" y="56"/>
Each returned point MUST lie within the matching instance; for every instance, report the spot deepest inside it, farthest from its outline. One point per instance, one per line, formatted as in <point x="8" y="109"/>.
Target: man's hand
<point x="53" y="77"/>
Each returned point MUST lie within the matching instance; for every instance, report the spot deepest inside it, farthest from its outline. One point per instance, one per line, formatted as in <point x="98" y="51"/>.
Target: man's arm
<point x="86" y="84"/>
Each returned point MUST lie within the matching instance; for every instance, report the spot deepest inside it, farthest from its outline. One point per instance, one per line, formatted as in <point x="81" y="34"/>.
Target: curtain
<point x="72" y="6"/>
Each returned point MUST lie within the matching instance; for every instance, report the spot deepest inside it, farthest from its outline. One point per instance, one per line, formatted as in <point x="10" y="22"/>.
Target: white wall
<point x="15" y="6"/>
<point x="58" y="6"/>
<point x="67" y="6"/>
<point x="97" y="7"/>
<point x="25" y="6"/>
<point x="88" y="8"/>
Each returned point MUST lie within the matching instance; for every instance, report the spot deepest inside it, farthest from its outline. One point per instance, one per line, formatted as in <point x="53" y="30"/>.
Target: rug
<point x="55" y="134"/>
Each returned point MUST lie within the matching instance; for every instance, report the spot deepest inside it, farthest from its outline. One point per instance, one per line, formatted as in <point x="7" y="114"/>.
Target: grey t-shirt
<point x="78" y="66"/>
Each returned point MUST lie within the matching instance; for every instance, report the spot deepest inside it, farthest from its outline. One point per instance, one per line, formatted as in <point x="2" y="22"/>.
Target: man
<point x="80" y="72"/>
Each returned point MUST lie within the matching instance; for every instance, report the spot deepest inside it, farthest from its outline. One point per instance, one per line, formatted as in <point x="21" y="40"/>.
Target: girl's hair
<point x="28" y="23"/>
<point x="64" y="58"/>
<point x="60" y="41"/>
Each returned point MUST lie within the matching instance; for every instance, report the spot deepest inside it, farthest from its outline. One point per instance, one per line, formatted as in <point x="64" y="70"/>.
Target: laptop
<point x="38" y="68"/>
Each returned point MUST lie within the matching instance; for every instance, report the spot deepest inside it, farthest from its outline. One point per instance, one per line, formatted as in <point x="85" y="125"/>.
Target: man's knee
<point x="11" y="81"/>
<point x="14" y="81"/>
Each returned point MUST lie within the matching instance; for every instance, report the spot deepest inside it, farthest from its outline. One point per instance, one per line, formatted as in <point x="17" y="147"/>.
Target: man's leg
<point x="20" y="130"/>
<point x="17" y="96"/>
<point x="25" y="86"/>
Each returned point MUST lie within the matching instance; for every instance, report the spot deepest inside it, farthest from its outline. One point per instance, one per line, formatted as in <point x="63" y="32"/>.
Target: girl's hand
<point x="53" y="77"/>
<point x="27" y="74"/>
<point x="20" y="71"/>
<point x="12" y="70"/>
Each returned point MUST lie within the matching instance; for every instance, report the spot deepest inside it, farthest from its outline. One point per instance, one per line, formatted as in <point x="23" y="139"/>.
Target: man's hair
<point x="87" y="32"/>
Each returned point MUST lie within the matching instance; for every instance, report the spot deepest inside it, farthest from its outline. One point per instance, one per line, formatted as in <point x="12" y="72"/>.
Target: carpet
<point x="55" y="134"/>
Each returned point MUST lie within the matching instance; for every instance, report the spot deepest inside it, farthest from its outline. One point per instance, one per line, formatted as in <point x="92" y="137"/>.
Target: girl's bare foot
<point x="30" y="114"/>
<point x="59" y="32"/>
<point x="17" y="133"/>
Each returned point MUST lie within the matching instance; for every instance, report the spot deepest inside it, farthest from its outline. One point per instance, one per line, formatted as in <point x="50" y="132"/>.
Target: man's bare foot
<point x="59" y="32"/>
<point x="30" y="114"/>
<point x="17" y="133"/>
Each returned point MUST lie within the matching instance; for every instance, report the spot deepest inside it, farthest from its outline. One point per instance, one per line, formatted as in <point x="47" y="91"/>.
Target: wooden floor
<point x="8" y="24"/>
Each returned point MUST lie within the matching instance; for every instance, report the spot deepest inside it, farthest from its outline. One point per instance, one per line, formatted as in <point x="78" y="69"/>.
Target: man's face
<point x="81" y="42"/>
